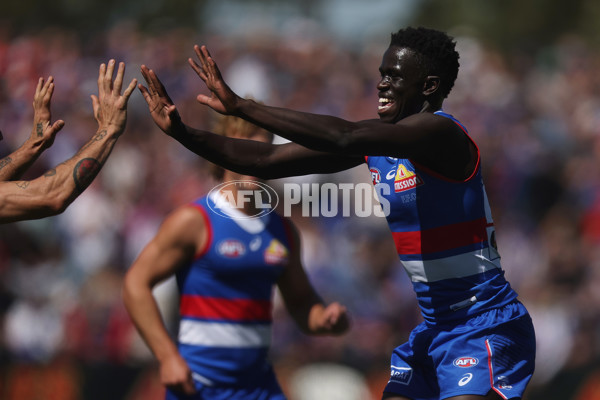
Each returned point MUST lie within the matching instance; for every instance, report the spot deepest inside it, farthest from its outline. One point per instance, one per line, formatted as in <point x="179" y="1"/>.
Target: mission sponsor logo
<point x="231" y="248"/>
<point x="406" y="179"/>
<point x="276" y="253"/>
<point x="465" y="362"/>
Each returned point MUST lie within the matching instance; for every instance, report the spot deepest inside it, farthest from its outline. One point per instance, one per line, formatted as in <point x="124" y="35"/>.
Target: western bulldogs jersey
<point x="444" y="235"/>
<point x="226" y="295"/>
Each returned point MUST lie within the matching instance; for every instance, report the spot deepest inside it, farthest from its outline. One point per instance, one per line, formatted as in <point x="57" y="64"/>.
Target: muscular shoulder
<point x="431" y="124"/>
<point x="451" y="152"/>
<point x="187" y="226"/>
<point x="186" y="217"/>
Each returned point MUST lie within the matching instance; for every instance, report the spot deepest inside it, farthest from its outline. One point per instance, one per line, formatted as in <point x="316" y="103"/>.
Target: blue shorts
<point x="491" y="351"/>
<point x="265" y="388"/>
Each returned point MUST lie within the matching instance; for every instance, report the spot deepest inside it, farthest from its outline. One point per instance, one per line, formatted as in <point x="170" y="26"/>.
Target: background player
<point x="226" y="265"/>
<point x="477" y="340"/>
<point x="51" y="193"/>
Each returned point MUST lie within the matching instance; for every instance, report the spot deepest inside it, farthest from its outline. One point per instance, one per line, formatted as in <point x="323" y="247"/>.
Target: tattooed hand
<point x="43" y="132"/>
<point x="110" y="106"/>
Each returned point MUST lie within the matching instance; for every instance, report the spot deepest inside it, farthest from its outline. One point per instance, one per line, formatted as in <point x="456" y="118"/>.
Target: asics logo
<point x="465" y="379"/>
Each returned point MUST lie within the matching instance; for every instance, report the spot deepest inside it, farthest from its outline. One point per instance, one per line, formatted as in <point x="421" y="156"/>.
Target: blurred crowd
<point x="64" y="333"/>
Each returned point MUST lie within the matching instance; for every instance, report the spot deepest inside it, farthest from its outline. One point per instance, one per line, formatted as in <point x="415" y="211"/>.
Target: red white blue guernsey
<point x="444" y="235"/>
<point x="226" y="296"/>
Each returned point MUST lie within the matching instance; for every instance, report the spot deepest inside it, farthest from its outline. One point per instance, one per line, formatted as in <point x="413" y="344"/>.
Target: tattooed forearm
<point x="84" y="173"/>
<point x="96" y="138"/>
<point x="5" y="161"/>
<point x="22" y="184"/>
<point x="99" y="136"/>
<point x="39" y="128"/>
<point x="50" y="172"/>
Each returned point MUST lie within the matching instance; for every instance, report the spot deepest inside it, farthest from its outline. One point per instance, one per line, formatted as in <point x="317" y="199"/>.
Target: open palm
<point x="222" y="99"/>
<point x="163" y="111"/>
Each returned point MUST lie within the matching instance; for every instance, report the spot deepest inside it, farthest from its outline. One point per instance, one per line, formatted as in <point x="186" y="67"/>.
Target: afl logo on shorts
<point x="231" y="248"/>
<point x="465" y="362"/>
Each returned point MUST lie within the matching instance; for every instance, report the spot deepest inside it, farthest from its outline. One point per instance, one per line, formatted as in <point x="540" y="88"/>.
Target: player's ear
<point x="432" y="83"/>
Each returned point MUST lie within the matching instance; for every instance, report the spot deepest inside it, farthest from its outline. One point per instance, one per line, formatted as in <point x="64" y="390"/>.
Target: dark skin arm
<point x="432" y="140"/>
<point x="249" y="157"/>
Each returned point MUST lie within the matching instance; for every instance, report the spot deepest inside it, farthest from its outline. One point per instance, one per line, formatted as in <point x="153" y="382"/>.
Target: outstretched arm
<point x="175" y="244"/>
<point x="249" y="157"/>
<point x="419" y="136"/>
<point x="42" y="134"/>
<point x="302" y="302"/>
<point x="51" y="193"/>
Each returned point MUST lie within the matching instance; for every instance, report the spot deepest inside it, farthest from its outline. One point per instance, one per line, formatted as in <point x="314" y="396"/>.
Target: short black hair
<point x="436" y="51"/>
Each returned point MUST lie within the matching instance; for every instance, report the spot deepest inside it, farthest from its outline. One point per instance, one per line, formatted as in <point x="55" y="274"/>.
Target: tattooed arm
<point x="51" y="193"/>
<point x="42" y="134"/>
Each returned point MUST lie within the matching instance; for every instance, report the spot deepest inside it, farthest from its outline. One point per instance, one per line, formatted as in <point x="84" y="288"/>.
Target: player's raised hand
<point x="163" y="111"/>
<point x="110" y="106"/>
<point x="43" y="131"/>
<point x="222" y="99"/>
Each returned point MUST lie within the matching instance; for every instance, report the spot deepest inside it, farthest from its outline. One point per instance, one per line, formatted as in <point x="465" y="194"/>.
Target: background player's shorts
<point x="492" y="351"/>
<point x="266" y="388"/>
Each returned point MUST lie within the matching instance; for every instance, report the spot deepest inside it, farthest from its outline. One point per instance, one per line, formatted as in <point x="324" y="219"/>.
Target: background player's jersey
<point x="226" y="296"/>
<point x="444" y="235"/>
